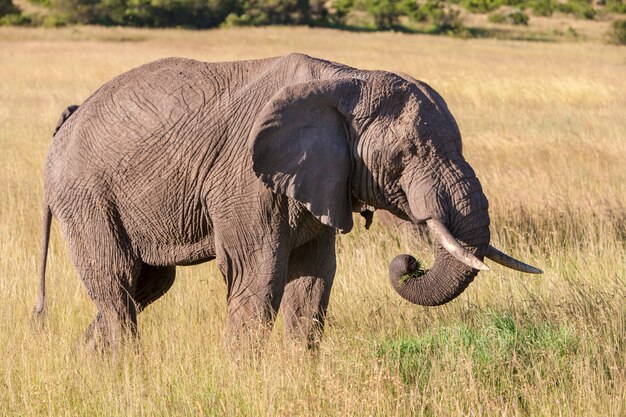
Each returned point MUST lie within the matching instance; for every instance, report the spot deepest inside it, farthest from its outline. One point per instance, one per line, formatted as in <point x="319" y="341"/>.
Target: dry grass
<point x="544" y="126"/>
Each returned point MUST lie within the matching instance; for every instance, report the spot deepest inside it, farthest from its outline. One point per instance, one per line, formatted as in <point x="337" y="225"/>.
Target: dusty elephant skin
<point x="256" y="164"/>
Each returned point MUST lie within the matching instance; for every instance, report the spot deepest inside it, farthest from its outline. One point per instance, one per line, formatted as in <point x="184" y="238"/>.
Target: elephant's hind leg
<point x="107" y="265"/>
<point x="117" y="313"/>
<point x="152" y="283"/>
<point x="305" y="299"/>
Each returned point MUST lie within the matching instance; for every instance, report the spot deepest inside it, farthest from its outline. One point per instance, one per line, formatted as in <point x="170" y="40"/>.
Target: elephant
<point x="257" y="164"/>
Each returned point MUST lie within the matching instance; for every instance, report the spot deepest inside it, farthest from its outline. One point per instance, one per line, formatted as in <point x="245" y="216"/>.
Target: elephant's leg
<point x="117" y="313"/>
<point x="255" y="276"/>
<point x="310" y="279"/>
<point x="108" y="267"/>
<point x="152" y="283"/>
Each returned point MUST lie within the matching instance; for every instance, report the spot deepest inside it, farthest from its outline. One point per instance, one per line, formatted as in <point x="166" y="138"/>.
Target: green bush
<point x="386" y="13"/>
<point x="276" y="12"/>
<point x="481" y="6"/>
<point x="441" y="17"/>
<point x="497" y="18"/>
<point x="517" y="17"/>
<point x="579" y="8"/>
<point x="15" y="19"/>
<point x="54" y="20"/>
<point x="11" y="16"/>
<point x="486" y="6"/>
<point x="341" y="8"/>
<point x="513" y="17"/>
<point x="41" y="2"/>
<point x="430" y="11"/>
<point x="617" y="33"/>
<point x="542" y="7"/>
<point x="615" y="6"/>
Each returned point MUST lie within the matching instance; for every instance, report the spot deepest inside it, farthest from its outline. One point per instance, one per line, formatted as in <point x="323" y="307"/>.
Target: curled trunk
<point x="445" y="281"/>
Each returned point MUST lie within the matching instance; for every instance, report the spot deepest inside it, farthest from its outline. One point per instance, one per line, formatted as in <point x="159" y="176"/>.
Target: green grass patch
<point x="500" y="349"/>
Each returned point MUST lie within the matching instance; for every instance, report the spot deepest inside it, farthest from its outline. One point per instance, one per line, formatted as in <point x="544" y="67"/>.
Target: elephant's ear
<point x="299" y="146"/>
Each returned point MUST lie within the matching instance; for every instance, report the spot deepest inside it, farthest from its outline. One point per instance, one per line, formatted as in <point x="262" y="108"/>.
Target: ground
<point x="544" y="127"/>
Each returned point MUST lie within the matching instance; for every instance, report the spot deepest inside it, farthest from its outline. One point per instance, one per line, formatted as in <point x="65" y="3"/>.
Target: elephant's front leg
<point x="310" y="279"/>
<point x="255" y="271"/>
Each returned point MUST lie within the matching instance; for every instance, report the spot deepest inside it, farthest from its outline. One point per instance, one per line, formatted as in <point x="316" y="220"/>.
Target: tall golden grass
<point x="544" y="126"/>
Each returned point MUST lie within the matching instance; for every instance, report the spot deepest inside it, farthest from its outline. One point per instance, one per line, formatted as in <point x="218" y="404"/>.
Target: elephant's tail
<point x="40" y="309"/>
<point x="69" y="110"/>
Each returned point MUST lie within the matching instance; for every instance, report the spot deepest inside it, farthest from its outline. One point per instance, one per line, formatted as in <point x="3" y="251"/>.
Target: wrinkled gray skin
<point x="255" y="164"/>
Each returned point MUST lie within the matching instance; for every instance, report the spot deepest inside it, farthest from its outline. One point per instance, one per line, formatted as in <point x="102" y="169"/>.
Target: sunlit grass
<point x="544" y="127"/>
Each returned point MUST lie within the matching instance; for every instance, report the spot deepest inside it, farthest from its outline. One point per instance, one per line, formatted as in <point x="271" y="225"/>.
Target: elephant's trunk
<point x="445" y="281"/>
<point x="449" y="276"/>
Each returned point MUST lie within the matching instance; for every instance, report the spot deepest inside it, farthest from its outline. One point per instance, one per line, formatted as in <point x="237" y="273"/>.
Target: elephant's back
<point x="157" y="105"/>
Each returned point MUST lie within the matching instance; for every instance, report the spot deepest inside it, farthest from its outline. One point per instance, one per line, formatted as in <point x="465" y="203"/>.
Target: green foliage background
<point x="437" y="16"/>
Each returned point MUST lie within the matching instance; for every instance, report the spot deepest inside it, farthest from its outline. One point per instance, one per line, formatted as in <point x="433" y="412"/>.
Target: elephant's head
<point x="381" y="140"/>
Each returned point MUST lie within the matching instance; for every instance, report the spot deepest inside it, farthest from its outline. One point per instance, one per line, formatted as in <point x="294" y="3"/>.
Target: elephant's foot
<point x="305" y="331"/>
<point x="108" y="336"/>
<point x="249" y="330"/>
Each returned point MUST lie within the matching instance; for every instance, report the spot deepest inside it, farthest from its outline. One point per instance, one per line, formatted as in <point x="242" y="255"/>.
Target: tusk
<point x="504" y="259"/>
<point x="453" y="247"/>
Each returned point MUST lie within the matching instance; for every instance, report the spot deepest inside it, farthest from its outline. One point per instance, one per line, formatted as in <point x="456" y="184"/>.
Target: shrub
<point x="281" y="12"/>
<point x="486" y="6"/>
<point x="448" y="21"/>
<point x="341" y="8"/>
<point x="441" y="17"/>
<point x="10" y="15"/>
<point x="41" y="2"/>
<point x="542" y="7"/>
<point x="386" y="13"/>
<point x="15" y="19"/>
<point x="615" y="6"/>
<point x="54" y="20"/>
<point x="579" y="8"/>
<point x="513" y="17"/>
<point x="496" y="18"/>
<point x="617" y="33"/>
<point x="481" y="6"/>
<point x="517" y="17"/>
<point x="430" y="11"/>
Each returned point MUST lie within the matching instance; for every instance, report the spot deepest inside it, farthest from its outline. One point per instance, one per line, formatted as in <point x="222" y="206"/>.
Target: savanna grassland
<point x="544" y="126"/>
